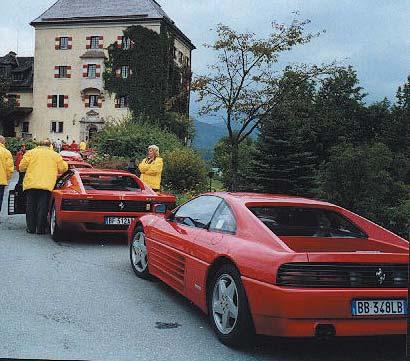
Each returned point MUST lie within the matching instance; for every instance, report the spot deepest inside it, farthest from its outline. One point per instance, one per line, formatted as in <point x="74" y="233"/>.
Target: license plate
<point x="379" y="307"/>
<point x="122" y="221"/>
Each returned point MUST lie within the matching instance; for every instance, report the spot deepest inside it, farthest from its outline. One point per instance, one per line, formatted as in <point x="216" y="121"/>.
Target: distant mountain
<point x="207" y="135"/>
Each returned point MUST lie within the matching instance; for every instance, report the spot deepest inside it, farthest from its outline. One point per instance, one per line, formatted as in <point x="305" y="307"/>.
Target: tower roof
<point x="71" y="10"/>
<point x="86" y="11"/>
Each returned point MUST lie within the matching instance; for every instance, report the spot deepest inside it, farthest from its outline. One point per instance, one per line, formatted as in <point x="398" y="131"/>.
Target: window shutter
<point x="57" y="43"/>
<point x="85" y="67"/>
<point x="56" y="71"/>
<point x="118" y="73"/>
<point x="49" y="101"/>
<point x="98" y="71"/>
<point x="65" y="101"/>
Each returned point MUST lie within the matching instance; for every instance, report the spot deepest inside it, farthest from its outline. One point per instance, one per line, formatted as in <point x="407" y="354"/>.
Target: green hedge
<point x="14" y="144"/>
<point x="184" y="171"/>
<point x="131" y="140"/>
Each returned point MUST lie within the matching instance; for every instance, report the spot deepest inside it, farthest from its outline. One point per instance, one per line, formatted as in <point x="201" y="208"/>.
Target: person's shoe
<point x="30" y="231"/>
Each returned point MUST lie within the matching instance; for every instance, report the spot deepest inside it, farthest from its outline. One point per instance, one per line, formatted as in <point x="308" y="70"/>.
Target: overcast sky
<point x="371" y="35"/>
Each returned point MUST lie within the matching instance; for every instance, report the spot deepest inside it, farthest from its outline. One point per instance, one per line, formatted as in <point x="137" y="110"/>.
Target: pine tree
<point x="284" y="161"/>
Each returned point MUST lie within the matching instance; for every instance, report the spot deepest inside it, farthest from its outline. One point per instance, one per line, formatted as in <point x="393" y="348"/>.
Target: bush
<point x="106" y="161"/>
<point x="14" y="144"/>
<point x="131" y="139"/>
<point x="184" y="171"/>
<point x="360" y="179"/>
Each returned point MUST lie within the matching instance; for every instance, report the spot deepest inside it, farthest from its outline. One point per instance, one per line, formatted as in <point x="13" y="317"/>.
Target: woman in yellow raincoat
<point x="151" y="168"/>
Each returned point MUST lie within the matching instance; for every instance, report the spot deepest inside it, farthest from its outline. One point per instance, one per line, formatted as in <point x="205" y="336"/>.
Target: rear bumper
<point x="289" y="312"/>
<point x="92" y="222"/>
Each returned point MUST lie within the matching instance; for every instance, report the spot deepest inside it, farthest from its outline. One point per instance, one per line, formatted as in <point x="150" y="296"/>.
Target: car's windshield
<point x="306" y="222"/>
<point x="109" y="182"/>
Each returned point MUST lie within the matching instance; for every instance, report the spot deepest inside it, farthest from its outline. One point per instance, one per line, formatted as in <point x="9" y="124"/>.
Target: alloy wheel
<point x="225" y="304"/>
<point x="139" y="252"/>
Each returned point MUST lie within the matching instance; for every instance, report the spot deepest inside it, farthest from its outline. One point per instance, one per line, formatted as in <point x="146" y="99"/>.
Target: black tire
<point x="137" y="257"/>
<point x="55" y="230"/>
<point x="242" y="332"/>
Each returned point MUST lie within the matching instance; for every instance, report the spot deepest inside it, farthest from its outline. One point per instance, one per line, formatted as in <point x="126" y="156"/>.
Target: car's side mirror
<point x="159" y="208"/>
<point x="169" y="216"/>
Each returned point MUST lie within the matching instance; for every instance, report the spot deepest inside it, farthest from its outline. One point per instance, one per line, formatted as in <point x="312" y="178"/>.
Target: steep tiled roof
<point x="87" y="9"/>
<point x="77" y="11"/>
<point x="19" y="64"/>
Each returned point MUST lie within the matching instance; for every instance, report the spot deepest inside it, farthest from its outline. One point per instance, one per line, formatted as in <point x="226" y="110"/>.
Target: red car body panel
<point x="78" y="164"/>
<point x="182" y="257"/>
<point x="93" y="221"/>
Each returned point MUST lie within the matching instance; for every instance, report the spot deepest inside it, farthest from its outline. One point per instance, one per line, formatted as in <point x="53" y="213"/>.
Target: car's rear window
<point x="306" y="222"/>
<point x="109" y="182"/>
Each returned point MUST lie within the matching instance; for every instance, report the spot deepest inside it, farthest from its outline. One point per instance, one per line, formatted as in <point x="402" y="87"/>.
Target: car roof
<point x="245" y="198"/>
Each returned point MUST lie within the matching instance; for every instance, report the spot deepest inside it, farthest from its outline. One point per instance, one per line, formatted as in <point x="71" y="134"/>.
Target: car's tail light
<point x="343" y="275"/>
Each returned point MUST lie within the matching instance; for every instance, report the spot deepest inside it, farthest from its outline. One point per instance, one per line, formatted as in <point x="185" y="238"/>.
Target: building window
<point x="25" y="127"/>
<point x="64" y="43"/>
<point x="125" y="70"/>
<point x="57" y="127"/>
<point x="126" y="43"/>
<point x="91" y="71"/>
<point x="93" y="101"/>
<point x="54" y="101"/>
<point x="180" y="57"/>
<point x="58" y="101"/>
<point x="122" y="102"/>
<point x="94" y="42"/>
<point x="18" y="76"/>
<point x="62" y="72"/>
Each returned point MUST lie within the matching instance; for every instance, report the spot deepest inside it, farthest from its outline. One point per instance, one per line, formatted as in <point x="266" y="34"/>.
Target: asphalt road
<point x="80" y="300"/>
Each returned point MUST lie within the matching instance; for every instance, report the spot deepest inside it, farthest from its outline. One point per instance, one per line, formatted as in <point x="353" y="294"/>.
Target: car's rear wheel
<point x="139" y="254"/>
<point x="228" y="307"/>
<point x="55" y="231"/>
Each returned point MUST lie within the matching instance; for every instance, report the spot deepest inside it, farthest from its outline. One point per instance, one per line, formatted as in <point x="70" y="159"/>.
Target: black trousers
<point x="37" y="209"/>
<point x="1" y="195"/>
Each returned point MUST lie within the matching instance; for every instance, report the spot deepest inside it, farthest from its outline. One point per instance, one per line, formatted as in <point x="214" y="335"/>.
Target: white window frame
<point x="63" y="45"/>
<point x="90" y="74"/>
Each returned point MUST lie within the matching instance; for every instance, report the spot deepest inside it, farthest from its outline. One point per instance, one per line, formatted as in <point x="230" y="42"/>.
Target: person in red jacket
<point x="19" y="157"/>
<point x="74" y="146"/>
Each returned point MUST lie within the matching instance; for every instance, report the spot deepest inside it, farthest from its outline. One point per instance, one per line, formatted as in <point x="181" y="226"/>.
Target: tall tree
<point x="284" y="160"/>
<point x="6" y="104"/>
<point x="242" y="85"/>
<point x="396" y="132"/>
<point x="340" y="110"/>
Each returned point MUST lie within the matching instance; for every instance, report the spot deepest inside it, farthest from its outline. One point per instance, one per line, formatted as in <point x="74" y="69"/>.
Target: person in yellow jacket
<point x="6" y="167"/>
<point x="83" y="146"/>
<point x="42" y="166"/>
<point x="151" y="168"/>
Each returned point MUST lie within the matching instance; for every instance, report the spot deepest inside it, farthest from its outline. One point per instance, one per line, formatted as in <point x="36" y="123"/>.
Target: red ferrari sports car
<point x="277" y="265"/>
<point x="76" y="164"/>
<point x="91" y="200"/>
<point x="70" y="155"/>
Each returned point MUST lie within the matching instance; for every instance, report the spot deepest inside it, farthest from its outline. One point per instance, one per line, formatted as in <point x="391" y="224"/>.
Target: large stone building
<point x="71" y="41"/>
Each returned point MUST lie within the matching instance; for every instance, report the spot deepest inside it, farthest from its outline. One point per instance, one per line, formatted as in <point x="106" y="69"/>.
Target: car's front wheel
<point x="138" y="254"/>
<point x="228" y="307"/>
<point x="55" y="230"/>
